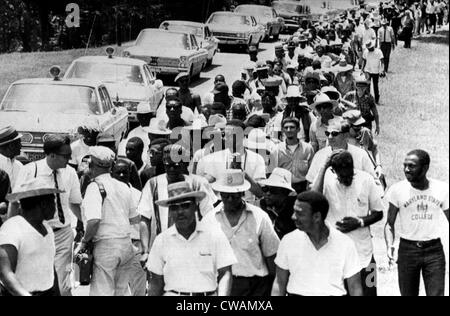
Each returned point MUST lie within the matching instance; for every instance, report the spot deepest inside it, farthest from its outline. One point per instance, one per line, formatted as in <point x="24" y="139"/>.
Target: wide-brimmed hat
<point x="231" y="181"/>
<point x="181" y="191"/>
<point x="38" y="186"/>
<point x="256" y="139"/>
<point x="8" y="135"/>
<point x="280" y="178"/>
<point x="181" y="75"/>
<point x="354" y="117"/>
<point x="332" y="92"/>
<point x="293" y="92"/>
<point x="343" y="66"/>
<point x="321" y="99"/>
<point x="157" y="127"/>
<point x="260" y="66"/>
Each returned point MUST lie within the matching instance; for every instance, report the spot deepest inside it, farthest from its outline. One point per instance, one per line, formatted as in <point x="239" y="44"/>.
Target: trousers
<point x="63" y="259"/>
<point x="386" y="48"/>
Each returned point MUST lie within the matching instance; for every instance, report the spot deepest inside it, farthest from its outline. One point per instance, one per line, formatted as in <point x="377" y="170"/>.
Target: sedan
<point x="236" y="29"/>
<point x="169" y="53"/>
<point x="201" y="31"/>
<point x="265" y="16"/>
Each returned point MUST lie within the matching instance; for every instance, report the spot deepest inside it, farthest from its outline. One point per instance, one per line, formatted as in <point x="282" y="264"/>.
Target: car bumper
<point x="232" y="41"/>
<point x="165" y="70"/>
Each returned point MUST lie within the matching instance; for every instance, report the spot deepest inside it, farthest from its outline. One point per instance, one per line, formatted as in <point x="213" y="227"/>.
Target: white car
<point x="129" y="81"/>
<point x="266" y="16"/>
<point x="42" y="106"/>
<point x="201" y="31"/>
<point x="169" y="53"/>
<point x="236" y="29"/>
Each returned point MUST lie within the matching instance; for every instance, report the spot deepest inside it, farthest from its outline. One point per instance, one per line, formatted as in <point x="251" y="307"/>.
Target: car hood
<point x="128" y="91"/>
<point x="153" y="51"/>
<point x="229" y="28"/>
<point x="44" y="123"/>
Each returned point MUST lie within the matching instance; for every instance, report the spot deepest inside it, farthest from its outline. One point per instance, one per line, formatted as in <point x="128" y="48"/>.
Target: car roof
<point x="62" y="82"/>
<point x="290" y="2"/>
<point x="180" y="22"/>
<point x="113" y="60"/>
<point x="230" y="13"/>
<point x="163" y="31"/>
<point x="254" y="5"/>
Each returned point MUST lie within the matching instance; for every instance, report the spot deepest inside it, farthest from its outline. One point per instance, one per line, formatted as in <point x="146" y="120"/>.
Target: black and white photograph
<point x="230" y="150"/>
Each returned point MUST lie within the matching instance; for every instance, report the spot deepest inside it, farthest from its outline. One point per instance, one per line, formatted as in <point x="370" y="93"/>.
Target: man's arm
<point x="145" y="233"/>
<point x="8" y="262"/>
<point x="271" y="266"/>
<point x="354" y="285"/>
<point x="156" y="284"/>
<point x="376" y="117"/>
<point x="91" y="229"/>
<point x="349" y="224"/>
<point x="281" y="281"/>
<point x="389" y="231"/>
<point x="76" y="210"/>
<point x="135" y="220"/>
<point x="224" y="281"/>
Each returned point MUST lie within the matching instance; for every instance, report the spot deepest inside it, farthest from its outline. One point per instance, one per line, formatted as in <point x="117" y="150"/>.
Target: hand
<point x="80" y="248"/>
<point x="391" y="256"/>
<point x="348" y="224"/>
<point x="377" y="130"/>
<point x="143" y="259"/>
<point x="334" y="153"/>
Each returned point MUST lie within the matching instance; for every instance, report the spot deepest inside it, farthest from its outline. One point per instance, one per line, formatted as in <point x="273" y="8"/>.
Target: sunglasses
<point x="333" y="134"/>
<point x="180" y="206"/>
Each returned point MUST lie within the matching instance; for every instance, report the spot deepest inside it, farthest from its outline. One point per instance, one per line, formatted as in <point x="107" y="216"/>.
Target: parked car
<point x="293" y="13"/>
<point x="236" y="29"/>
<point x="129" y="81"/>
<point x="265" y="16"/>
<point x="201" y="31"/>
<point x="42" y="106"/>
<point x="169" y="52"/>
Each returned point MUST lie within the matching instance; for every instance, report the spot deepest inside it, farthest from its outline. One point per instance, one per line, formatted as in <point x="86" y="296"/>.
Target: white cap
<point x="102" y="156"/>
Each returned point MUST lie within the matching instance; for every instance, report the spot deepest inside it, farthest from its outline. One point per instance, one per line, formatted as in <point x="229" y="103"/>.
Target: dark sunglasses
<point x="333" y="134"/>
<point x="180" y="206"/>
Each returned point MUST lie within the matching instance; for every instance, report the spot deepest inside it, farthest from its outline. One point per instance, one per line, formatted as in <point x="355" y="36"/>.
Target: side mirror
<point x="114" y="111"/>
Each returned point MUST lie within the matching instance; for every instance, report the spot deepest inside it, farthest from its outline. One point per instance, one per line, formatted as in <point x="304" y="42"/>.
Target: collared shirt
<point x="373" y="61"/>
<point x="368" y="35"/>
<point x="317" y="135"/>
<point x="190" y="265"/>
<point x="297" y="161"/>
<point x="361" y="161"/>
<point x="67" y="182"/>
<point x="357" y="200"/>
<point x="143" y="135"/>
<point x="156" y="189"/>
<point x="318" y="272"/>
<point x="186" y="114"/>
<point x="420" y="211"/>
<point x="12" y="167"/>
<point x="114" y="212"/>
<point x="386" y="35"/>
<point x="253" y="239"/>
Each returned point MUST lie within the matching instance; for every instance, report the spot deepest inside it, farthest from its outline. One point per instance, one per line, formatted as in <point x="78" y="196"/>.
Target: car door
<point x="208" y="42"/>
<point x="108" y="118"/>
<point x="197" y="55"/>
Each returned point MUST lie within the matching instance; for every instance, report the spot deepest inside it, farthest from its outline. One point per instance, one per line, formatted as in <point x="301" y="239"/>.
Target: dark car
<point x="293" y="13"/>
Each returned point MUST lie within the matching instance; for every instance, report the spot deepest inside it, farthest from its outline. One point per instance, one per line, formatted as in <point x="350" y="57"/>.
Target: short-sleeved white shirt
<point x="190" y="265"/>
<point x="79" y="151"/>
<point x="35" y="253"/>
<point x="420" y="212"/>
<point x="114" y="212"/>
<point x="373" y="61"/>
<point x="361" y="161"/>
<point x="12" y="167"/>
<point x="253" y="239"/>
<point x="318" y="272"/>
<point x="354" y="201"/>
<point x="67" y="182"/>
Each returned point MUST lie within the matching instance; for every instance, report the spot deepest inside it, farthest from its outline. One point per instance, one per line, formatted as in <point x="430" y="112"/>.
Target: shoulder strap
<point x="35" y="169"/>
<point x="102" y="190"/>
<point x="154" y="192"/>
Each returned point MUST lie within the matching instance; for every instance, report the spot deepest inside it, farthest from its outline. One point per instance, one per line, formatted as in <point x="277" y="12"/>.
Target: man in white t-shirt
<point x="316" y="259"/>
<point x="355" y="205"/>
<point x="373" y="65"/>
<point x="418" y="202"/>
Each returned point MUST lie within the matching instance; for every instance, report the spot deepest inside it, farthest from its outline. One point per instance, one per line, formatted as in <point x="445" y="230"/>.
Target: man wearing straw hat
<point x="190" y="258"/>
<point x="27" y="242"/>
<point x="250" y="232"/>
<point x="10" y="146"/>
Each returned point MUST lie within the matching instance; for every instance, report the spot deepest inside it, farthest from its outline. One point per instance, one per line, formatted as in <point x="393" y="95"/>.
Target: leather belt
<point x="422" y="244"/>
<point x="194" y="294"/>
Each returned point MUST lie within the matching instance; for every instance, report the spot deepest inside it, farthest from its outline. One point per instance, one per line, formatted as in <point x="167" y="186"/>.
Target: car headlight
<point x="126" y="54"/>
<point x="183" y="62"/>
<point x="27" y="138"/>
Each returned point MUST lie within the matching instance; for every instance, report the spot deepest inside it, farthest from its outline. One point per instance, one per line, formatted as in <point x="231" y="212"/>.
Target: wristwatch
<point x="361" y="222"/>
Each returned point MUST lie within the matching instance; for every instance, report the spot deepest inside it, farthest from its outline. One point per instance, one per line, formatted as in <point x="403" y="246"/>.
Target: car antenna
<point x="90" y="34"/>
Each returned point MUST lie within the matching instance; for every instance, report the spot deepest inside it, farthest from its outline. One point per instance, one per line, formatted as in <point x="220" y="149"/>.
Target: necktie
<point x="58" y="199"/>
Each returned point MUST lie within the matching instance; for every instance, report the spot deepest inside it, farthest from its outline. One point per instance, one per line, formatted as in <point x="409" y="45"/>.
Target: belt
<point x="422" y="244"/>
<point x="193" y="294"/>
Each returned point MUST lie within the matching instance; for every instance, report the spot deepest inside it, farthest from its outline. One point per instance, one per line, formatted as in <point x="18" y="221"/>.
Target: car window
<point x="51" y="98"/>
<point x="107" y="72"/>
<point x="159" y="38"/>
<point x="150" y="75"/>
<point x="194" y="42"/>
<point x="107" y="98"/>
<point x="274" y="13"/>
<point x="103" y="103"/>
<point x="253" y="21"/>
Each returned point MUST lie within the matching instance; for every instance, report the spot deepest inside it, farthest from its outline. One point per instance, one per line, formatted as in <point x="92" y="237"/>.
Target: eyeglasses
<point x="180" y="206"/>
<point x="333" y="134"/>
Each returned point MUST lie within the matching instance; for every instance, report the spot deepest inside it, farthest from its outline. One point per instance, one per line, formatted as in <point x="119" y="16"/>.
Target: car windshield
<point x="48" y="98"/>
<point x="286" y="6"/>
<point x="254" y="10"/>
<point x="106" y="72"/>
<point x="162" y="39"/>
<point x="230" y="19"/>
<point x="195" y="30"/>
